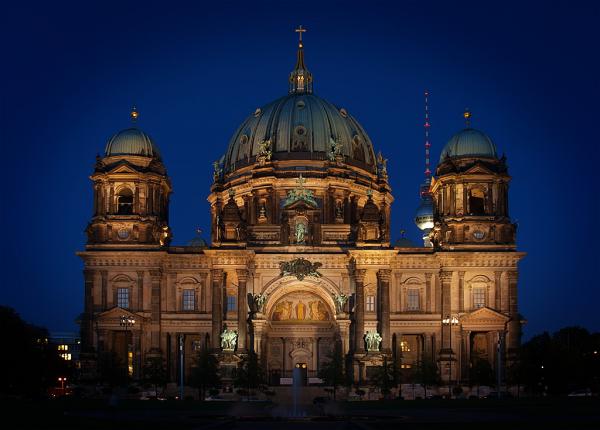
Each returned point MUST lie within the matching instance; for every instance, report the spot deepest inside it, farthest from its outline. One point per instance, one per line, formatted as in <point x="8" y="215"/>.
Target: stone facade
<point x="292" y="236"/>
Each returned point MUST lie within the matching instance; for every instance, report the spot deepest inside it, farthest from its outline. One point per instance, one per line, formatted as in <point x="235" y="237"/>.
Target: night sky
<point x="70" y="73"/>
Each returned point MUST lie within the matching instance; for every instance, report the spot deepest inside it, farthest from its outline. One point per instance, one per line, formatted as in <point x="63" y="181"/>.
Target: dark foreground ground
<point x="564" y="413"/>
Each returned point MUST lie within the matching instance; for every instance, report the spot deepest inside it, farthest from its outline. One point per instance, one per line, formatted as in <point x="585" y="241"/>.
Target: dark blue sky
<point x="71" y="71"/>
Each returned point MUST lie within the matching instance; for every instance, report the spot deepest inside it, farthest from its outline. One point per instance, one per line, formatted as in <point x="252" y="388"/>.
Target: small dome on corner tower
<point x="132" y="141"/>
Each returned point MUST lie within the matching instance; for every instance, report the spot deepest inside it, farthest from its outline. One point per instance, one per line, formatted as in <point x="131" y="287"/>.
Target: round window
<point x="123" y="233"/>
<point x="478" y="234"/>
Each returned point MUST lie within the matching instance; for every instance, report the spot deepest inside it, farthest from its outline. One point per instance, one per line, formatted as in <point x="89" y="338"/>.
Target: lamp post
<point x="62" y="384"/>
<point x="450" y="321"/>
<point x="128" y="321"/>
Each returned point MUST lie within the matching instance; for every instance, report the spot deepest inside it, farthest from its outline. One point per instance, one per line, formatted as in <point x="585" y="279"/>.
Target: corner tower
<point x="131" y="193"/>
<point x="470" y="194"/>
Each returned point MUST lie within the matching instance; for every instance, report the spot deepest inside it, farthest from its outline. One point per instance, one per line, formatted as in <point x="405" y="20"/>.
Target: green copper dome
<point x="300" y="126"/>
<point x="469" y="143"/>
<point x="132" y="141"/>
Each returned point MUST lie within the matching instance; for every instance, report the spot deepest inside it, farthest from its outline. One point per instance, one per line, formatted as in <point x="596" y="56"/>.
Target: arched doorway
<point x="300" y="334"/>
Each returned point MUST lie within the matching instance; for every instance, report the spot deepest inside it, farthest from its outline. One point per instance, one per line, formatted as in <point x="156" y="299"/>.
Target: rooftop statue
<point x="301" y="193"/>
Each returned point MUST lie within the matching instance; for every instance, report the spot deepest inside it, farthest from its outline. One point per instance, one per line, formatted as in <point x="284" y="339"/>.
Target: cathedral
<point x="300" y="255"/>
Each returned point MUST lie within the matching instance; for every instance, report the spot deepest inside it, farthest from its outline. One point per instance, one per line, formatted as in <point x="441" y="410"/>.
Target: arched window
<point x="476" y="201"/>
<point x="125" y="202"/>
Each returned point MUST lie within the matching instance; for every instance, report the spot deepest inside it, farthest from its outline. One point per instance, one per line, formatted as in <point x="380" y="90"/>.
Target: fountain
<point x="297" y="383"/>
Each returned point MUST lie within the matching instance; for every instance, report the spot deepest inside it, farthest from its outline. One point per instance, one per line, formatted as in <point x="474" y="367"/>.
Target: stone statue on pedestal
<point x="373" y="340"/>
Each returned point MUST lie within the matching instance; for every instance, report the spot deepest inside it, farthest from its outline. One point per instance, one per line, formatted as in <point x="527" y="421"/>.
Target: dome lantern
<point x="300" y="79"/>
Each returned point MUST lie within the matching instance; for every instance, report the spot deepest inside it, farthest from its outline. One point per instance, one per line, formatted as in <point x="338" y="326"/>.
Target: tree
<point x="383" y="376"/>
<point x="481" y="373"/>
<point x="205" y="374"/>
<point x="33" y="365"/>
<point x="333" y="370"/>
<point x="427" y="373"/>
<point x="558" y="363"/>
<point x="155" y="372"/>
<point x="250" y="373"/>
<point x="111" y="369"/>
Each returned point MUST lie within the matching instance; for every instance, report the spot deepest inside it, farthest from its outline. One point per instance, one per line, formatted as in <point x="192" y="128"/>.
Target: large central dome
<point x="300" y="126"/>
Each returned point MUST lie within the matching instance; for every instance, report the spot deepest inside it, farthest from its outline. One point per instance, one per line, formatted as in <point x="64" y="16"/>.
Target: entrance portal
<point x="301" y="373"/>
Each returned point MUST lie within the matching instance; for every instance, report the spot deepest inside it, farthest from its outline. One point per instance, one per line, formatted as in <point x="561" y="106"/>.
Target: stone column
<point x="104" y="292"/>
<point x="498" y="291"/>
<point x="461" y="291"/>
<point x="156" y="277"/>
<point x="359" y="310"/>
<point x="242" y="275"/>
<point x="217" y="276"/>
<point x="140" y="290"/>
<point x="427" y="347"/>
<point x="258" y="328"/>
<point x="383" y="276"/>
<point x="344" y="328"/>
<point x="464" y="354"/>
<point x="87" y="324"/>
<point x="514" y="325"/>
<point x="446" y="308"/>
<point x="203" y="296"/>
<point x="438" y="294"/>
<point x="428" y="292"/>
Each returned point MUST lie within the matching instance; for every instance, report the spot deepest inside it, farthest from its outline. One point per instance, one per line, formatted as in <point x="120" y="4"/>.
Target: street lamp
<point x="62" y="384"/>
<point x="128" y="321"/>
<point x="450" y="321"/>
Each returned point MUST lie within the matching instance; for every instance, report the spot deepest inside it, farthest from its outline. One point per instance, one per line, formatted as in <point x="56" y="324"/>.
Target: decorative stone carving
<point x="300" y="233"/>
<point x="257" y="302"/>
<point x="382" y="165"/>
<point x="335" y="152"/>
<point x="228" y="340"/>
<point x="300" y="268"/>
<point x="301" y="194"/>
<point x="217" y="170"/>
<point x="373" y="340"/>
<point x="340" y="301"/>
<point x="264" y="152"/>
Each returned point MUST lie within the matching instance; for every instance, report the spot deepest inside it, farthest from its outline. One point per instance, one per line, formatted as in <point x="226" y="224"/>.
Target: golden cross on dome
<point x="300" y="30"/>
<point x="467" y="116"/>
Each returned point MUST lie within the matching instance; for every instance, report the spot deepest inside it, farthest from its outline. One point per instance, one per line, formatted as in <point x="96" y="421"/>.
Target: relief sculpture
<point x="300" y="307"/>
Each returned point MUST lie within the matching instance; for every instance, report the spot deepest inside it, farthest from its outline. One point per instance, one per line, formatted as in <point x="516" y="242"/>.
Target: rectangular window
<point x="231" y="303"/>
<point x="370" y="303"/>
<point x="123" y="297"/>
<point x="478" y="297"/>
<point x="412" y="303"/>
<point x="189" y="300"/>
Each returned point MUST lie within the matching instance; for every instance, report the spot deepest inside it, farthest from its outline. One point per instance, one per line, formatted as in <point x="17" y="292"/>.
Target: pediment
<point x="123" y="168"/>
<point x="479" y="169"/>
<point x="113" y="316"/>
<point x="300" y="204"/>
<point x="484" y="316"/>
